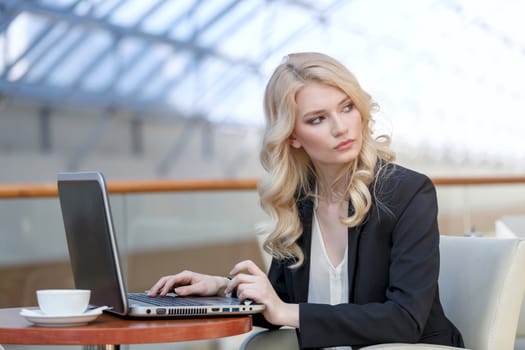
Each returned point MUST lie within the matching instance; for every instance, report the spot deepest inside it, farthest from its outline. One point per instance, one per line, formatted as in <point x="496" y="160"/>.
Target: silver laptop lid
<point x="91" y="239"/>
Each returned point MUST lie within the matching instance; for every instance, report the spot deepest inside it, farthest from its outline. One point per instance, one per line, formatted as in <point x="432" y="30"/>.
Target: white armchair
<point x="513" y="226"/>
<point x="481" y="288"/>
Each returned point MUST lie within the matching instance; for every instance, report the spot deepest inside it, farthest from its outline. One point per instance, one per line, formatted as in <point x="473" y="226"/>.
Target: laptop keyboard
<point x="175" y="301"/>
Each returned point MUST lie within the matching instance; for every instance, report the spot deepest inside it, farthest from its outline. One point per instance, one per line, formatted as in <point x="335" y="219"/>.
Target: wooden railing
<point x="132" y="186"/>
<point x="33" y="190"/>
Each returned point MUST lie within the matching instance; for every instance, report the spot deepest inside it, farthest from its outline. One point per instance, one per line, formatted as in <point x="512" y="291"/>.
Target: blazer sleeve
<point x="411" y="282"/>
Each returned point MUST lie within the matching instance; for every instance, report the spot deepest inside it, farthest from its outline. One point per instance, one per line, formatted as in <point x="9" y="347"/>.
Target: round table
<point x="109" y="331"/>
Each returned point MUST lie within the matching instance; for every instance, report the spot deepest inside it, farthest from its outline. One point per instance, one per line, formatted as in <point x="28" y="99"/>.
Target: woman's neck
<point x="333" y="191"/>
<point x="332" y="184"/>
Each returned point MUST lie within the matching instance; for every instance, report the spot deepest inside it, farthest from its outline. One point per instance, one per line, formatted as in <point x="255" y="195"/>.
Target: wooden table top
<point x="109" y="329"/>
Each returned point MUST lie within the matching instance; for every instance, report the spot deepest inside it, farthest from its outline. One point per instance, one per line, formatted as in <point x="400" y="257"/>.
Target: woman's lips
<point x="346" y="144"/>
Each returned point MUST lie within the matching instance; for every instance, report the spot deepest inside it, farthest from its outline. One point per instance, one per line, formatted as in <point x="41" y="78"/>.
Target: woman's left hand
<point x="253" y="284"/>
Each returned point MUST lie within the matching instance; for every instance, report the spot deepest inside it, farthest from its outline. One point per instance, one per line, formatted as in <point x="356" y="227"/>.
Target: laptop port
<point x="161" y="311"/>
<point x="234" y="309"/>
<point x="225" y="309"/>
<point x="215" y="309"/>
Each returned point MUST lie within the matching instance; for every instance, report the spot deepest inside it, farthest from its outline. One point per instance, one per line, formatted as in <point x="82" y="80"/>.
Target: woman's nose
<point x="338" y="126"/>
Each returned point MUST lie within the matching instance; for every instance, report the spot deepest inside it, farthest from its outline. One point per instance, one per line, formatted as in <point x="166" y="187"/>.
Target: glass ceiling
<point x="447" y="74"/>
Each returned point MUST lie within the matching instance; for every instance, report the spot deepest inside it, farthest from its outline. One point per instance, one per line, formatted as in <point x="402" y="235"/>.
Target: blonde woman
<point x="354" y="237"/>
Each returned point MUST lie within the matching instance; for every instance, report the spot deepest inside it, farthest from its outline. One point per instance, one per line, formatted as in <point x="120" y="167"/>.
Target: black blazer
<point x="393" y="268"/>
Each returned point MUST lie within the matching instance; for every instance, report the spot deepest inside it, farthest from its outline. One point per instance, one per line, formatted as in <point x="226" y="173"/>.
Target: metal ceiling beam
<point x="93" y="63"/>
<point x="113" y="9"/>
<point x="55" y="96"/>
<point x="154" y="71"/>
<point x="65" y="53"/>
<point x="9" y="10"/>
<point x="231" y="80"/>
<point x="235" y="25"/>
<point x="319" y="15"/>
<point x="98" y="59"/>
<point x="102" y="55"/>
<point x="168" y="85"/>
<point x="151" y="10"/>
<point x="32" y="45"/>
<point x="73" y="20"/>
<point x="123" y="68"/>
<point x="137" y="57"/>
<point x="58" y="60"/>
<point x="60" y="14"/>
<point x="133" y="61"/>
<point x="48" y="47"/>
<point x="223" y="12"/>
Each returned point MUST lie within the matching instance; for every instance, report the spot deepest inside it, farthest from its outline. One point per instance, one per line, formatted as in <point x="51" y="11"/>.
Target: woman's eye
<point x="315" y="120"/>
<point x="348" y="108"/>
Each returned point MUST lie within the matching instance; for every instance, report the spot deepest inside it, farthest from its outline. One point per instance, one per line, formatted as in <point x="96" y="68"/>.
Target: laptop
<point x="95" y="261"/>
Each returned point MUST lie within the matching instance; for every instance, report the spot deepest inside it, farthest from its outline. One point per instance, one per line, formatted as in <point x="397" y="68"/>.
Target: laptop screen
<point x="93" y="254"/>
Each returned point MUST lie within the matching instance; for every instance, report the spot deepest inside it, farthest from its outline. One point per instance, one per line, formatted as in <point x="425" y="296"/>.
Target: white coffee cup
<point x="63" y="302"/>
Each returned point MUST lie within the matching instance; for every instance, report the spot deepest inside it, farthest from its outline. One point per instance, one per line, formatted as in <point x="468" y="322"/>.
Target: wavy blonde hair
<point x="289" y="170"/>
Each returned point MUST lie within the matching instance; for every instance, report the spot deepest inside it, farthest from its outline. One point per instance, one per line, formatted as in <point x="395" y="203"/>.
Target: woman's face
<point x="327" y="126"/>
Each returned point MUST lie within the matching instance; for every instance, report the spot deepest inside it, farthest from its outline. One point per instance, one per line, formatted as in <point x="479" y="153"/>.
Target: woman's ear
<point x="293" y="142"/>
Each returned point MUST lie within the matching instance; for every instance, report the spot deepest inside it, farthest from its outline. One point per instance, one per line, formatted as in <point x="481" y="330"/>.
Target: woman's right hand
<point x="189" y="283"/>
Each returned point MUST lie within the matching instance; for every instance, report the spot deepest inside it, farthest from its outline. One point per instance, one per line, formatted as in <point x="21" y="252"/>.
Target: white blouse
<point x="328" y="283"/>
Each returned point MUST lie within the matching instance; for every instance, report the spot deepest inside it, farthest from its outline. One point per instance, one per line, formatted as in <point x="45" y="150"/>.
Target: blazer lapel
<point x="353" y="253"/>
<point x="301" y="275"/>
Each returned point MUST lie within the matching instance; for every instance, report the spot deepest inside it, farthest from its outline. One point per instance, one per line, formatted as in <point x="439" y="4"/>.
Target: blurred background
<point x="172" y="90"/>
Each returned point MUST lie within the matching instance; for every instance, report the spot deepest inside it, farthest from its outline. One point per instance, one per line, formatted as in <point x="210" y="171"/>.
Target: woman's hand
<point x="253" y="284"/>
<point x="189" y="283"/>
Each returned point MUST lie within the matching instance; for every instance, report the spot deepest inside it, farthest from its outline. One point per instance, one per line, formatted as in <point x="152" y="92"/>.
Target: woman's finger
<point x="155" y="289"/>
<point x="166" y="283"/>
<point x="237" y="280"/>
<point x="250" y="292"/>
<point x="247" y="266"/>
<point x="193" y="289"/>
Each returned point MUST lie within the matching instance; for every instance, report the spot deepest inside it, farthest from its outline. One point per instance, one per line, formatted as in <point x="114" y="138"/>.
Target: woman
<point x="354" y="237"/>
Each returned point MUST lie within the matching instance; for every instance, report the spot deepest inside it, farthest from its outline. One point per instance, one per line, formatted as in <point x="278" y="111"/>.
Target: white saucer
<point x="40" y="319"/>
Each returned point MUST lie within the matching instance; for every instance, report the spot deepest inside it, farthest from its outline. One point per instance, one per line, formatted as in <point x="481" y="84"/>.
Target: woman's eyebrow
<point x="345" y="100"/>
<point x="312" y="113"/>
